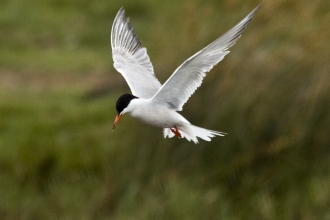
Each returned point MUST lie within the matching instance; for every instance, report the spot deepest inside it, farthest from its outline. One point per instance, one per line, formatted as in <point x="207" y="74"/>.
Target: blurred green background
<point x="59" y="158"/>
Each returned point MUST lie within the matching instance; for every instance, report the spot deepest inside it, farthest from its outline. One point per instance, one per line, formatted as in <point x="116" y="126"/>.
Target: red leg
<point x="176" y="132"/>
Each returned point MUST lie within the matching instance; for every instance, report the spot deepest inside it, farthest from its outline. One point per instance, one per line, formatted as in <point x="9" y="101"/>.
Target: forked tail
<point x="191" y="132"/>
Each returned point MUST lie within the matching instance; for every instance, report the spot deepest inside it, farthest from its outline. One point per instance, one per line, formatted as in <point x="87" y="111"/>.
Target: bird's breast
<point x="156" y="115"/>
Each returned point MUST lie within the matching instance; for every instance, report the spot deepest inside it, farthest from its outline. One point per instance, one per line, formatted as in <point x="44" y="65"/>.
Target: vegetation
<point x="60" y="160"/>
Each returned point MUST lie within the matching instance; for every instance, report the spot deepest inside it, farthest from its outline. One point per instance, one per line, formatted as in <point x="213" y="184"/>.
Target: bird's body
<point x="147" y="112"/>
<point x="157" y="104"/>
<point x="172" y="122"/>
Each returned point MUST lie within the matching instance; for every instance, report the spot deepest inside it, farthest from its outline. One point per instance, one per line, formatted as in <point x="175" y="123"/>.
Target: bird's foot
<point x="176" y="132"/>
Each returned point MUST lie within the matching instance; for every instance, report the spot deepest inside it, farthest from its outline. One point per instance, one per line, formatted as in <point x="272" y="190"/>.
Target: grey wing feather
<point x="176" y="91"/>
<point x="131" y="59"/>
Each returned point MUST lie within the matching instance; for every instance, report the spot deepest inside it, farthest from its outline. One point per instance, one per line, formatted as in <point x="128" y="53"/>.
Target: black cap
<point x="123" y="102"/>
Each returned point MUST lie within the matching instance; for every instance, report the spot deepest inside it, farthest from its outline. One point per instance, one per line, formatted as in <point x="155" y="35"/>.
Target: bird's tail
<point x="191" y="132"/>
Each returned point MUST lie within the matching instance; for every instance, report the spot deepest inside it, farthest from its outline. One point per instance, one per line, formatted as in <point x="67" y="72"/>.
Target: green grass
<point x="60" y="159"/>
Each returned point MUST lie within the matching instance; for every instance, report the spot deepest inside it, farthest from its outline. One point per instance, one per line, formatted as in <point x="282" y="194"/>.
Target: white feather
<point x="131" y="59"/>
<point x="176" y="91"/>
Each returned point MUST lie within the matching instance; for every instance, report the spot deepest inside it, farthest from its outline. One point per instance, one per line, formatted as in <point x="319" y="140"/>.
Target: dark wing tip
<point x="122" y="33"/>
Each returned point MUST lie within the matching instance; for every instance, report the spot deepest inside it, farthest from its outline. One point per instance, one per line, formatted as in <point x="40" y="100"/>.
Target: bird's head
<point x="121" y="106"/>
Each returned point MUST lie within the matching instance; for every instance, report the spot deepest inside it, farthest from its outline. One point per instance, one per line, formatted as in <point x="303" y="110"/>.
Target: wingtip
<point x="120" y="13"/>
<point x="121" y="10"/>
<point x="256" y="9"/>
<point x="123" y="35"/>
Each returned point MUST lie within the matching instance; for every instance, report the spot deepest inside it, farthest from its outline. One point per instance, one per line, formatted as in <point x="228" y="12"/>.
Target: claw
<point x="176" y="132"/>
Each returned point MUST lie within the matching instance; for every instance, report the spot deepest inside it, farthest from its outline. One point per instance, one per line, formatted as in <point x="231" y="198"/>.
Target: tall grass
<point x="60" y="160"/>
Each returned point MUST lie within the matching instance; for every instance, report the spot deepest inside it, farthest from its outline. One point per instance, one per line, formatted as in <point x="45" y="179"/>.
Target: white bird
<point x="157" y="104"/>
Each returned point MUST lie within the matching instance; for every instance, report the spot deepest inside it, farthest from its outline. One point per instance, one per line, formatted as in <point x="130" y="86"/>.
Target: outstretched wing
<point x="131" y="59"/>
<point x="176" y="91"/>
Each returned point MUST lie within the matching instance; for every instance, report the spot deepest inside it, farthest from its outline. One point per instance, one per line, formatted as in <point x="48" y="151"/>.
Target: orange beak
<point x="116" y="121"/>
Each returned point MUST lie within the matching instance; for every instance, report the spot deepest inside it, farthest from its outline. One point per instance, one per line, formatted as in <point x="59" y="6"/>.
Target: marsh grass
<point x="60" y="160"/>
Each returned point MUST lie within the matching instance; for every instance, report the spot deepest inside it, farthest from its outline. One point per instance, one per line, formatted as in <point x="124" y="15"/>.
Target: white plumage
<point x="157" y="104"/>
<point x="131" y="59"/>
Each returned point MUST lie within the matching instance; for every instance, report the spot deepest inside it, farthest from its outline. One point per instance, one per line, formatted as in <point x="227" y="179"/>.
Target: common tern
<point x="157" y="104"/>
